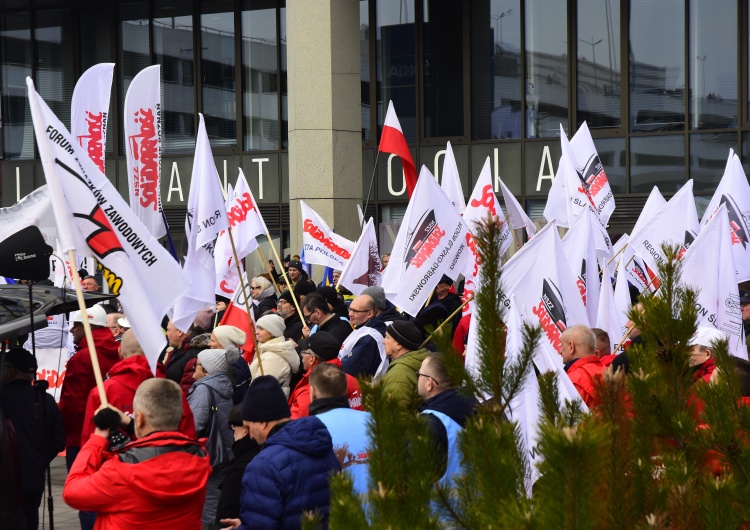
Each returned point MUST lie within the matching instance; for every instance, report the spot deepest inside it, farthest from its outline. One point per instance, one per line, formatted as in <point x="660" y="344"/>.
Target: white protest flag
<point x="90" y="211"/>
<point x="430" y="242"/>
<point x="33" y="210"/>
<point x="206" y="217"/>
<point x="516" y="216"/>
<point x="143" y="148"/>
<point x="580" y="250"/>
<point x="545" y="290"/>
<point x="227" y="277"/>
<point x="622" y="300"/>
<point x="363" y="268"/>
<point x="708" y="267"/>
<point x="322" y="246"/>
<point x="654" y="203"/>
<point x="89" y="110"/>
<point x="734" y="192"/>
<point x="591" y="172"/>
<point x="579" y="197"/>
<point x="524" y="407"/>
<point x="360" y="215"/>
<point x="608" y="316"/>
<point x="676" y="223"/>
<point x="557" y="208"/>
<point x="482" y="204"/>
<point x="450" y="181"/>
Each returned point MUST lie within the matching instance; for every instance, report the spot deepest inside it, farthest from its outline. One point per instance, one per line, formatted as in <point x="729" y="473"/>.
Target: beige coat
<point x="279" y="359"/>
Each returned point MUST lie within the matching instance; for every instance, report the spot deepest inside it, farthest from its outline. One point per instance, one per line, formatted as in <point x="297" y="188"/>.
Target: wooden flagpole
<point x="291" y="290"/>
<point x="446" y="320"/>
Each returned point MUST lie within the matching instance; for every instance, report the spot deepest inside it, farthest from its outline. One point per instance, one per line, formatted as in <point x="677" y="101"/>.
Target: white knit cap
<point x="227" y="335"/>
<point x="273" y="324"/>
<point x="214" y="361"/>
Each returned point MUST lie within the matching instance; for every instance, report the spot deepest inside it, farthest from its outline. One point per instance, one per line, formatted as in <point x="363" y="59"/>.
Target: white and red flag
<point x="362" y="270"/>
<point x="676" y="223"/>
<point x="546" y="293"/>
<point x="206" y="217"/>
<point x="392" y="140"/>
<point x="516" y="216"/>
<point x="482" y="204"/>
<point x="91" y="215"/>
<point x="430" y="242"/>
<point x="734" y="192"/>
<point x="89" y="110"/>
<point x="321" y="245"/>
<point x="143" y="148"/>
<point x="450" y="181"/>
<point x="580" y="250"/>
<point x="708" y="267"/>
<point x="237" y="315"/>
<point x="593" y="180"/>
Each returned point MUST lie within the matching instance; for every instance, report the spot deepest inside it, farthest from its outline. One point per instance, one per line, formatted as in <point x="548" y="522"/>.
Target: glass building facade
<point x="662" y="85"/>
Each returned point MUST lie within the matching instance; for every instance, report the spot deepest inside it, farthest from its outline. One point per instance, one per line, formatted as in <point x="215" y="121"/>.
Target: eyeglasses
<point x="306" y="315"/>
<point x="351" y="310"/>
<point x="282" y="302"/>
<point x="420" y="374"/>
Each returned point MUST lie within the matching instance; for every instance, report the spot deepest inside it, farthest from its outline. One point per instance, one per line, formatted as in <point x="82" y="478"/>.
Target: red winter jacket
<point x="582" y="373"/>
<point x="606" y="360"/>
<point x="158" y="481"/>
<point x="124" y="378"/>
<point x="462" y="332"/>
<point x="299" y="401"/>
<point x="79" y="380"/>
<point x="704" y="371"/>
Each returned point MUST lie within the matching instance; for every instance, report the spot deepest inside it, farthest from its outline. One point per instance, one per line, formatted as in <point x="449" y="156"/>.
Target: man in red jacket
<point x="79" y="374"/>
<point x="120" y="387"/>
<point x="578" y="347"/>
<point x="320" y="347"/>
<point x="158" y="481"/>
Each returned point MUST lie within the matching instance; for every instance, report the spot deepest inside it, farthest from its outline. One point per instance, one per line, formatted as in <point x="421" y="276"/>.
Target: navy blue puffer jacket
<point x="289" y="476"/>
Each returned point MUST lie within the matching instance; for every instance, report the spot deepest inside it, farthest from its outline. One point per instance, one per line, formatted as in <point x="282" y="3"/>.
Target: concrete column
<point x="325" y="142"/>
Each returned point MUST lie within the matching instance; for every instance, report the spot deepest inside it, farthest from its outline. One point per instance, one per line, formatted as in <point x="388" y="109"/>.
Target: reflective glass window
<point x="657" y="161"/>
<point x="364" y="60"/>
<point x="496" y="69"/>
<point x="546" y="67"/>
<point x="15" y="54"/>
<point x="708" y="159"/>
<point x="598" y="63"/>
<point x="397" y="72"/>
<point x="713" y="64"/>
<point x="443" y="87"/>
<point x="219" y="96"/>
<point x="282" y="77"/>
<point x="260" y="76"/>
<point x="657" y="65"/>
<point x="53" y="34"/>
<point x="613" y="158"/>
<point x="174" y="47"/>
<point x="133" y="49"/>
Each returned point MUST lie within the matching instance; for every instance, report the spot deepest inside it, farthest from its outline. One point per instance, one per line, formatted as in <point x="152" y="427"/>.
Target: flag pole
<point x="369" y="191"/>
<point x="284" y="274"/>
<point x="460" y="308"/>
<point x="87" y="331"/>
<point x="265" y="262"/>
<point x="630" y="329"/>
<point x="247" y="303"/>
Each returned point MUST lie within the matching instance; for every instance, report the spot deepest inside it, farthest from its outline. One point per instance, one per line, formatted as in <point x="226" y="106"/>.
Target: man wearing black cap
<point x="286" y="309"/>
<point x="321" y="347"/>
<point x="275" y="494"/>
<point x="318" y="312"/>
<point x="442" y="304"/>
<point x="296" y="273"/>
<point x="402" y="345"/>
<point x="38" y="426"/>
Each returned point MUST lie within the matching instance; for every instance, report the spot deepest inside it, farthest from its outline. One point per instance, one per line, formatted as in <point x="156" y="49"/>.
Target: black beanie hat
<point x="294" y="264"/>
<point x="328" y="292"/>
<point x="265" y="401"/>
<point x="323" y="344"/>
<point x="286" y="296"/>
<point x="303" y="289"/>
<point x="22" y="360"/>
<point x="405" y="333"/>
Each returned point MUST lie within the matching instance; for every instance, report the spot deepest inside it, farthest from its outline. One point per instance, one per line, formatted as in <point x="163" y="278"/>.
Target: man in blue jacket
<point x="289" y="476"/>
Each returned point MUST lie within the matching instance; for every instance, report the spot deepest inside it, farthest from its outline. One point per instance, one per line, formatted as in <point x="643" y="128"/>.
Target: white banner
<point x="450" y="181"/>
<point x="591" y="173"/>
<point x="363" y="268"/>
<point x="139" y="271"/>
<point x="89" y="111"/>
<point x="143" y="148"/>
<point x="321" y="245"/>
<point x="580" y="250"/>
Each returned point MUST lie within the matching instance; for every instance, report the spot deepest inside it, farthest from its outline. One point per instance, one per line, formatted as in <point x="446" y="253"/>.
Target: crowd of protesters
<point x="216" y="439"/>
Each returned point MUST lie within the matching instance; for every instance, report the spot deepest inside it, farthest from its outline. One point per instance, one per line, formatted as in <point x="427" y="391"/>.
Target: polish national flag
<point x="237" y="315"/>
<point x="392" y="140"/>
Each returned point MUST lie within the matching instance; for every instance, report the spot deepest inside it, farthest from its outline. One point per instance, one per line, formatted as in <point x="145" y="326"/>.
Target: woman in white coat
<point x="277" y="355"/>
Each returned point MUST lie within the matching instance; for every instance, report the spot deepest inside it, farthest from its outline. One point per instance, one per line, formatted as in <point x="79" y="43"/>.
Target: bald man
<point x="582" y="365"/>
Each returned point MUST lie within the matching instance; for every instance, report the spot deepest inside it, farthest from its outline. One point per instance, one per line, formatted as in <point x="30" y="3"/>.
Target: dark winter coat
<point x="267" y="304"/>
<point x="340" y="329"/>
<point x="39" y="432"/>
<point x="289" y="476"/>
<point x="244" y="450"/>
<point x="293" y="328"/>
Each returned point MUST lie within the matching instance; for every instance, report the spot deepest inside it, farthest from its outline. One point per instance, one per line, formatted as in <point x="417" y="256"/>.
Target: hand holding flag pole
<point x="87" y="331"/>
<point x="291" y="290"/>
<point x="460" y="308"/>
<point x="247" y="302"/>
<point x="273" y="280"/>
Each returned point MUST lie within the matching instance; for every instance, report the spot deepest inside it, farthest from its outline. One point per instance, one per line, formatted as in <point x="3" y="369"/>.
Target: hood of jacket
<point x="104" y="341"/>
<point x="176" y="475"/>
<point x="283" y="348"/>
<point x="306" y="435"/>
<point x="131" y="372"/>
<point x="218" y="382"/>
